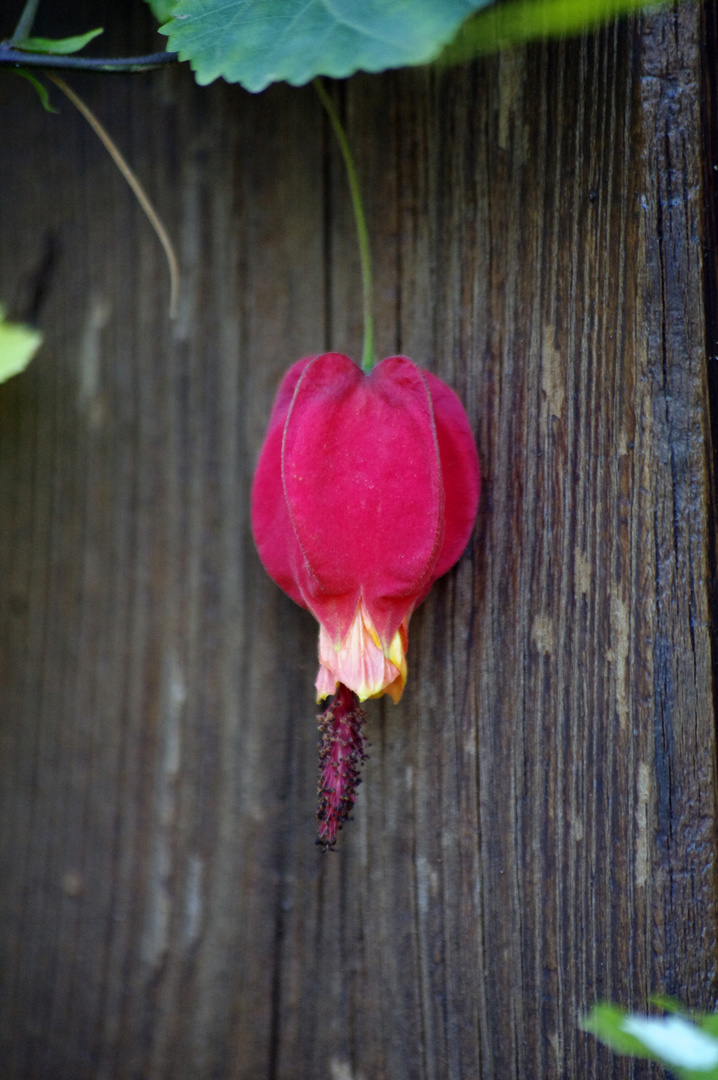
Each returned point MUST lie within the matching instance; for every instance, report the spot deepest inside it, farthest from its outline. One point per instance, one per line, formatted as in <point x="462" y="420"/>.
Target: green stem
<point x="10" y="57"/>
<point x="24" y="26"/>
<point x="362" y="234"/>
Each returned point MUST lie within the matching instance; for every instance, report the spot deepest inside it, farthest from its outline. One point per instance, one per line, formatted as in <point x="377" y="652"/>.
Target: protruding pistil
<point x="342" y="752"/>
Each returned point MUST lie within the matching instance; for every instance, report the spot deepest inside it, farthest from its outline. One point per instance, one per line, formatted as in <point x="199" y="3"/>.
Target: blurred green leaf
<point x="709" y="1023"/>
<point x="688" y="1049"/>
<point x="667" y="1004"/>
<point x="162" y="9"/>
<point x="606" y="1023"/>
<point x="258" y="43"/>
<point x="519" y="21"/>
<point x="41" y="89"/>
<point x="57" y="46"/>
<point x="18" y="345"/>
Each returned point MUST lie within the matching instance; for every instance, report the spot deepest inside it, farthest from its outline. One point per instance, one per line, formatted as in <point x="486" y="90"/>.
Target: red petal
<point x="363" y="484"/>
<point x="460" y="470"/>
<point x="273" y="533"/>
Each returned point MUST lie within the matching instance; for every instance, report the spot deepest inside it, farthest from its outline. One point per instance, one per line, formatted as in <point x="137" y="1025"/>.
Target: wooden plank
<point x="536" y="830"/>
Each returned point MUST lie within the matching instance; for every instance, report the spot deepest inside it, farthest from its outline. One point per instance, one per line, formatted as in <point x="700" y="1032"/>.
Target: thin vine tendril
<point x="139" y="192"/>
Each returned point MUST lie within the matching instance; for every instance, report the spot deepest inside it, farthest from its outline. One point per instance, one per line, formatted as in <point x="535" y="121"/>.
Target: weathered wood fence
<point x="536" y="830"/>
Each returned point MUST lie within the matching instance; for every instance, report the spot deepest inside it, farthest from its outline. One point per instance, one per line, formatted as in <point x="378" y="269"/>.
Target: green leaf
<point x="520" y="21"/>
<point x="709" y="1023"/>
<point x="57" y="46"/>
<point x="667" y="1004"/>
<point x="40" y="87"/>
<point x="162" y="9"/>
<point x="18" y="345"/>
<point x="689" y="1050"/>
<point x="257" y="42"/>
<point x="606" y="1023"/>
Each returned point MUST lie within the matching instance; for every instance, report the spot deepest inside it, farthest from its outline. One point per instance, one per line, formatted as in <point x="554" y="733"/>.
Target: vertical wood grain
<point x="536" y="830"/>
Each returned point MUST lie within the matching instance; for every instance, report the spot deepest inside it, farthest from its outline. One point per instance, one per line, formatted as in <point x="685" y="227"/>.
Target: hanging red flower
<point x="365" y="493"/>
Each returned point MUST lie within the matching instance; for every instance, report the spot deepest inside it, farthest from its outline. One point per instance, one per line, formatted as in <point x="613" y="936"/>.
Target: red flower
<point x="365" y="493"/>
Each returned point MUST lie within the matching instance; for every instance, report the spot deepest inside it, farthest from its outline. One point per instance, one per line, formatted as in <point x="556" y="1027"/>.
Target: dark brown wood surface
<point x="536" y="830"/>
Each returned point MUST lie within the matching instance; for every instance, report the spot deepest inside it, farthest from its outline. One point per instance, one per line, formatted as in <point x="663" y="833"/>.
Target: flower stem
<point x="362" y="234"/>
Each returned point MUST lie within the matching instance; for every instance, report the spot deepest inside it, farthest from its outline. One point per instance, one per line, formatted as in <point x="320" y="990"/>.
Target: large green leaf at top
<point x="258" y="42"/>
<point x="520" y="21"/>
